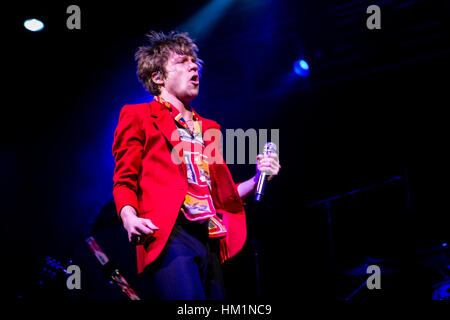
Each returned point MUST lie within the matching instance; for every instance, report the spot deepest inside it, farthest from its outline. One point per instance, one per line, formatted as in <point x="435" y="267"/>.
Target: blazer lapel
<point x="166" y="124"/>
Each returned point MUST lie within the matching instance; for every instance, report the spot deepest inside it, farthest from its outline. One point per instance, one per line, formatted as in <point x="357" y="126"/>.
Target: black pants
<point x="188" y="267"/>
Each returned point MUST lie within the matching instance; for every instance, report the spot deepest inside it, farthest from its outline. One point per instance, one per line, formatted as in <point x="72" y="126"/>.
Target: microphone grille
<point x="270" y="147"/>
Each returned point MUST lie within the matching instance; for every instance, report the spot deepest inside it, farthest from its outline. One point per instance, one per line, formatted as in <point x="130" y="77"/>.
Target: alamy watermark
<point x="374" y="280"/>
<point x="374" y="20"/>
<point x="74" y="279"/>
<point x="237" y="143"/>
<point x="74" y="20"/>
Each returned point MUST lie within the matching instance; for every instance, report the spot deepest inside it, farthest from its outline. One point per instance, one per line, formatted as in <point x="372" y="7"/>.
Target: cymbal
<point x="441" y="259"/>
<point x="436" y="249"/>
<point x="362" y="270"/>
<point x="385" y="265"/>
<point x="434" y="256"/>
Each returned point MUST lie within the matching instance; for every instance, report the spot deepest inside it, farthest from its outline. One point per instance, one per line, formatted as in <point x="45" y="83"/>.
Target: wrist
<point x="253" y="182"/>
<point x="128" y="211"/>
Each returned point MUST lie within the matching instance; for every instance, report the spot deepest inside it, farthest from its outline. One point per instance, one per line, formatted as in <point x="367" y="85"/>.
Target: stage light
<point x="203" y="22"/>
<point x="33" y="25"/>
<point x="301" y="68"/>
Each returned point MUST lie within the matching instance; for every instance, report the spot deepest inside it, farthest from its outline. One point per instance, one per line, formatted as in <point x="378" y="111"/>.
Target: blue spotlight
<point x="301" y="68"/>
<point x="202" y="22"/>
<point x="33" y="25"/>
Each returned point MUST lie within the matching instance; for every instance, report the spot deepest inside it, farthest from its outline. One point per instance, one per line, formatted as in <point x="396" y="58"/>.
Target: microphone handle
<point x="260" y="186"/>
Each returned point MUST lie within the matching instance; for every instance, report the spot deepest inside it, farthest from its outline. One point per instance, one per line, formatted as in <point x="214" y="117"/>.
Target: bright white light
<point x="304" y="65"/>
<point x="301" y="68"/>
<point x="33" y="25"/>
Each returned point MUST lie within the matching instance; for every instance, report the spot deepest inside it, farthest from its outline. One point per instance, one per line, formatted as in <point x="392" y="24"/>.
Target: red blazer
<point x="146" y="178"/>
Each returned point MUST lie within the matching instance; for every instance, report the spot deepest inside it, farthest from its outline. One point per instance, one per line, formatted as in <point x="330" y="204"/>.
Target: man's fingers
<point x="150" y="224"/>
<point x="268" y="160"/>
<point x="269" y="165"/>
<point x="140" y="229"/>
<point x="143" y="230"/>
<point x="275" y="166"/>
<point x="273" y="155"/>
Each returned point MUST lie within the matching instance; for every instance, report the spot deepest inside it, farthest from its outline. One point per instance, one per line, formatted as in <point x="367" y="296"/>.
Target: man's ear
<point x="157" y="78"/>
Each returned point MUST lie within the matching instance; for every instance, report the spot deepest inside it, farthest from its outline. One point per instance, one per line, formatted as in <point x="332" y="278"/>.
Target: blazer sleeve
<point x="128" y="145"/>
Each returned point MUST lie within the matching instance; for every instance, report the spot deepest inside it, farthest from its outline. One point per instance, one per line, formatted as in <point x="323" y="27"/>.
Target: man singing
<point x="181" y="209"/>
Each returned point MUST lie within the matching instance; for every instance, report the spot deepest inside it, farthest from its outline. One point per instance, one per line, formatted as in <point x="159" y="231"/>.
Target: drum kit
<point x="437" y="257"/>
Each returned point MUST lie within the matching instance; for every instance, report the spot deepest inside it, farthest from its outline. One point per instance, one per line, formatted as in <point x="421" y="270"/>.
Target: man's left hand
<point x="269" y="164"/>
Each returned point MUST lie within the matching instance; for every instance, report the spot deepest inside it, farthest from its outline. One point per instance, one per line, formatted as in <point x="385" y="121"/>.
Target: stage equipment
<point x="110" y="269"/>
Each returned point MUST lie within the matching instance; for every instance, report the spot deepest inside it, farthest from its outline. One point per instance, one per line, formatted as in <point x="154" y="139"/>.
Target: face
<point x="182" y="79"/>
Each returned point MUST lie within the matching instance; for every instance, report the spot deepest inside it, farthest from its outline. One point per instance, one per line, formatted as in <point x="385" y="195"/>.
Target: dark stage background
<point x="372" y="108"/>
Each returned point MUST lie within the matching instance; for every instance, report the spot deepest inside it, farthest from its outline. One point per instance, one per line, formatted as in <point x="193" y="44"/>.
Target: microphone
<point x="269" y="147"/>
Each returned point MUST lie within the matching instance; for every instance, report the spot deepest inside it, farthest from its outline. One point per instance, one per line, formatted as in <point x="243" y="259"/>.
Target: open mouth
<point x="195" y="79"/>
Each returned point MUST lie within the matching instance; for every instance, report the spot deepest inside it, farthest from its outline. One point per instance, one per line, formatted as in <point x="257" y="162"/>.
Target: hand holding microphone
<point x="268" y="166"/>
